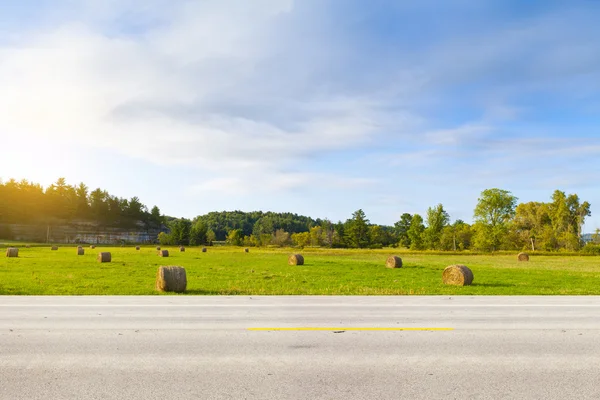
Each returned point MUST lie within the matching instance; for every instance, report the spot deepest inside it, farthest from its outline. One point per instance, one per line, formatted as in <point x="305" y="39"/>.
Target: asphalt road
<point x="165" y="347"/>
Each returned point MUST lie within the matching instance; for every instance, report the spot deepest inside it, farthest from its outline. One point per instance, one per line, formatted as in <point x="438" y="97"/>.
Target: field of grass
<point x="230" y="271"/>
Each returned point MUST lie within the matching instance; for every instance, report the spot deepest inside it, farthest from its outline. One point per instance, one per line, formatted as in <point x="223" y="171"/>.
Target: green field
<point x="230" y="271"/>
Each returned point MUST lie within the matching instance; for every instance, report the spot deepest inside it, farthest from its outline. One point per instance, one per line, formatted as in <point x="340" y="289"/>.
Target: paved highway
<point x="186" y="347"/>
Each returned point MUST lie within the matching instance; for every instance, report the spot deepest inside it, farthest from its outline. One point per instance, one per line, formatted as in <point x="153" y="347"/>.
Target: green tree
<point x="531" y="223"/>
<point x="83" y="206"/>
<point x="156" y="220"/>
<point x="401" y="228"/>
<point x="316" y="236"/>
<point x="456" y="237"/>
<point x="235" y="237"/>
<point x="165" y="239"/>
<point x="357" y="230"/>
<point x="210" y="237"/>
<point x="494" y="210"/>
<point x="198" y="233"/>
<point x="180" y="231"/>
<point x="437" y="219"/>
<point x="377" y="236"/>
<point x="415" y="233"/>
<point x="568" y="216"/>
<point x="301" y="239"/>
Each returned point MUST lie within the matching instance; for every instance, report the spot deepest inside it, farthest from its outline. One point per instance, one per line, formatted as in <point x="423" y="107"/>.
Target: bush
<point x="591" y="248"/>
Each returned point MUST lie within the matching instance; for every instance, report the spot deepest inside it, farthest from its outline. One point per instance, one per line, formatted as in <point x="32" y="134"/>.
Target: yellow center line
<point x="307" y="328"/>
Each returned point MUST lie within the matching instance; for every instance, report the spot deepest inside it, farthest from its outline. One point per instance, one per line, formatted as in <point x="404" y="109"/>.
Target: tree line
<point x="499" y="222"/>
<point x="24" y="202"/>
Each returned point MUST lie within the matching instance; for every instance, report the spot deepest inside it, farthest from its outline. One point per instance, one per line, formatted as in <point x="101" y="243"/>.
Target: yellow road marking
<point x="349" y="329"/>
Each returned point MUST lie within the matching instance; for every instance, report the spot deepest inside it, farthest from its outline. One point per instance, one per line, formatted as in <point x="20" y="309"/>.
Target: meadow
<point x="230" y="271"/>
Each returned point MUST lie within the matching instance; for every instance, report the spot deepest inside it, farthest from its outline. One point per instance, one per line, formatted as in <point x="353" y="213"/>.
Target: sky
<point x="317" y="107"/>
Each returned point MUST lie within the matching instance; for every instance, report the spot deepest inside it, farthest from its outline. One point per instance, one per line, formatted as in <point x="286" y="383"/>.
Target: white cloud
<point x="169" y="95"/>
<point x="239" y="92"/>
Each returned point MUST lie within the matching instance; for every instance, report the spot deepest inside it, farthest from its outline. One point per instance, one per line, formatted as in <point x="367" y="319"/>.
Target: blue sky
<point x="318" y="107"/>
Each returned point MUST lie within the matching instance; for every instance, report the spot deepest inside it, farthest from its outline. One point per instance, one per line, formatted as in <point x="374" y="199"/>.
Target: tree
<point x="210" y="237"/>
<point x="301" y="239"/>
<point x="98" y="206"/>
<point x="235" y="237"/>
<point x="530" y="225"/>
<point x="316" y="236"/>
<point x="280" y="238"/>
<point x="437" y="219"/>
<point x="180" y="231"/>
<point x="83" y="206"/>
<point x="377" y="236"/>
<point x="155" y="218"/>
<point x="198" y="233"/>
<point x="328" y="232"/>
<point x="134" y="210"/>
<point x="165" y="239"/>
<point x="415" y="233"/>
<point x="401" y="228"/>
<point x="357" y="230"/>
<point x="568" y="216"/>
<point x="263" y="226"/>
<point x="495" y="208"/>
<point x="456" y="237"/>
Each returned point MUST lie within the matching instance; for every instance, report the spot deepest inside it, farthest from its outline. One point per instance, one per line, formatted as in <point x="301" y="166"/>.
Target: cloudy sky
<point x="318" y="107"/>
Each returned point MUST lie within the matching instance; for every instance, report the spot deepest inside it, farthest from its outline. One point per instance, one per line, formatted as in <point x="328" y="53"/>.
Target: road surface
<point x="162" y="347"/>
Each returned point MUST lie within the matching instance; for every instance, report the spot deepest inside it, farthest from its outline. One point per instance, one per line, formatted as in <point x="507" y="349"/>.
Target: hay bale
<point x="163" y="253"/>
<point x="104" y="257"/>
<point x="296" y="259"/>
<point x="80" y="251"/>
<point x="523" y="257"/>
<point x="27" y="246"/>
<point x="137" y="247"/>
<point x="171" y="279"/>
<point x="157" y="247"/>
<point x="246" y="250"/>
<point x="393" y="262"/>
<point x="92" y="247"/>
<point x="182" y="249"/>
<point x="459" y="275"/>
<point x="12" y="252"/>
<point x="54" y="248"/>
<point x="204" y="249"/>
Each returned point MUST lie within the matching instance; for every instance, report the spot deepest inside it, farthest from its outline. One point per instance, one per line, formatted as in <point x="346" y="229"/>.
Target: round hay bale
<point x="163" y="253"/>
<point x="523" y="257"/>
<point x="92" y="246"/>
<point x="246" y="250"/>
<point x="80" y="251"/>
<point x="182" y="249"/>
<point x="54" y="248"/>
<point x="12" y="252"/>
<point x="157" y="247"/>
<point x="104" y="257"/>
<point x="296" y="259"/>
<point x="171" y="279"/>
<point x="27" y="246"/>
<point x="137" y="247"/>
<point x="459" y="275"/>
<point x="204" y="249"/>
<point x="393" y="262"/>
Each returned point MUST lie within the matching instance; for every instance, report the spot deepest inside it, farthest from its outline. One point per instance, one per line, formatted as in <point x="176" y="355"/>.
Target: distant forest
<point x="24" y="202"/>
<point x="500" y="223"/>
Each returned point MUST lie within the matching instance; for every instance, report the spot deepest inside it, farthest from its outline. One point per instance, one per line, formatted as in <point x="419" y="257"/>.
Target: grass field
<point x="230" y="271"/>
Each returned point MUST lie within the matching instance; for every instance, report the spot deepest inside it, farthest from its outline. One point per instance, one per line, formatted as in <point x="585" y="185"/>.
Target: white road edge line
<point x="308" y="305"/>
